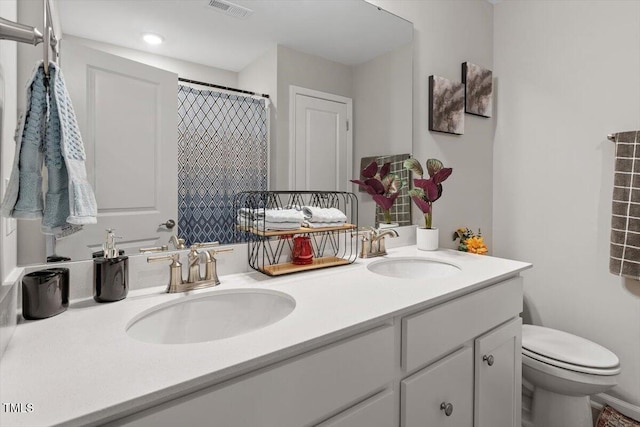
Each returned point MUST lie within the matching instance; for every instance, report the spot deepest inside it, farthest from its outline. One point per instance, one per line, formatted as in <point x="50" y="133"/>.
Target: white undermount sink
<point x="210" y="317"/>
<point x="413" y="268"/>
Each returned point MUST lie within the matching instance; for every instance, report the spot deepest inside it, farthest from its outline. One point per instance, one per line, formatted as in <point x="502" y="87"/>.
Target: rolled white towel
<point x="315" y="214"/>
<point x="251" y="214"/>
<point x="284" y="215"/>
<point x="322" y="224"/>
<point x="244" y="221"/>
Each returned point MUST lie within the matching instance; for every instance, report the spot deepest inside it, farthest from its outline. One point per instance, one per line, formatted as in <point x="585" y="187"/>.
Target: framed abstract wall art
<point x="479" y="89"/>
<point x="446" y="105"/>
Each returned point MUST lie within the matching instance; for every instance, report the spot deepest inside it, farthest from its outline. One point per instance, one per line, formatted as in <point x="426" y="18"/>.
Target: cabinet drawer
<point x="377" y="411"/>
<point x="430" y="334"/>
<point x="296" y="392"/>
<point x="449" y="381"/>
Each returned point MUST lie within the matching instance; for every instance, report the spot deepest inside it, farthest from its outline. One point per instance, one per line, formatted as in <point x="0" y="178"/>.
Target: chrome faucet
<point x="373" y="242"/>
<point x="177" y="242"/>
<point x="195" y="280"/>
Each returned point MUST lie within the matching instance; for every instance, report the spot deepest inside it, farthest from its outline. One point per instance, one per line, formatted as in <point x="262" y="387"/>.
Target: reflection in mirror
<point x="400" y="211"/>
<point x="125" y="97"/>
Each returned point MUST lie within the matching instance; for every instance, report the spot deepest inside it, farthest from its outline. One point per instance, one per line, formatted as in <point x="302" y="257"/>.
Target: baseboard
<point x="625" y="408"/>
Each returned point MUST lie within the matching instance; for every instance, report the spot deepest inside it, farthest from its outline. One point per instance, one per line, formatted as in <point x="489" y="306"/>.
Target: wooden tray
<point x="286" y="268"/>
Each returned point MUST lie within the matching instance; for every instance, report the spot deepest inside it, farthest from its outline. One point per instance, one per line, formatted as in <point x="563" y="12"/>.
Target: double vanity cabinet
<point x="359" y="349"/>
<point x="454" y="364"/>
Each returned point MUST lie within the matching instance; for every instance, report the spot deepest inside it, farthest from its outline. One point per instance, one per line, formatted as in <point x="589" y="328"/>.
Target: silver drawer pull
<point x="489" y="359"/>
<point x="447" y="408"/>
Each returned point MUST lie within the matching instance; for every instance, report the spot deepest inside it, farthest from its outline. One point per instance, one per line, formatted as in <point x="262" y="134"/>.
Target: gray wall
<point x="446" y="34"/>
<point x="382" y="114"/>
<point x="568" y="74"/>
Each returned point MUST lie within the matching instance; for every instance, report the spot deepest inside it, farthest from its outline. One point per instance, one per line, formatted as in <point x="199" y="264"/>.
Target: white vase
<point x="427" y="238"/>
<point x="383" y="226"/>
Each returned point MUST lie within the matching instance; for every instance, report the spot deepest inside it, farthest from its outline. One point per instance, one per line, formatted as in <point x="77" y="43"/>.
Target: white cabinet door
<point x="441" y="394"/>
<point x="127" y="113"/>
<point x="498" y="376"/>
<point x="321" y="144"/>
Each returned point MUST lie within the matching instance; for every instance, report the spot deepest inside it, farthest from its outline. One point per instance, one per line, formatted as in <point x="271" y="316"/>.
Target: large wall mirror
<point x="127" y="102"/>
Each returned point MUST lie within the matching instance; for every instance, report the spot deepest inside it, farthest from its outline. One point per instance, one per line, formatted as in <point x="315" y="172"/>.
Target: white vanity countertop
<point x="80" y="367"/>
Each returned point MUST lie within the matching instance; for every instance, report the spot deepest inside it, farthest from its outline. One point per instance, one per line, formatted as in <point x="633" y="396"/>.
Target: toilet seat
<point x="567" y="351"/>
<point x="569" y="366"/>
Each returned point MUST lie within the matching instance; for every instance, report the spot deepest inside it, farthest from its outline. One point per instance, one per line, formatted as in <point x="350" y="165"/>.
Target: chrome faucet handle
<point x="382" y="247"/>
<point x="193" y="258"/>
<point x="175" y="270"/>
<point x="219" y="251"/>
<point x="205" y="245"/>
<point x="368" y="231"/>
<point x="211" y="272"/>
<point x="162" y="248"/>
<point x="365" y="245"/>
<point x="175" y="258"/>
<point x="210" y="266"/>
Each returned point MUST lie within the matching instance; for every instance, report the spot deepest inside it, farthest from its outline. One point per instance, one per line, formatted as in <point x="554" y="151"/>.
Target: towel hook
<point x="50" y="37"/>
<point x="21" y="33"/>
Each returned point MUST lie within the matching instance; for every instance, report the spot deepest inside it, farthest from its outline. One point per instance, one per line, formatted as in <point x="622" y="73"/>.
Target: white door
<point x="322" y="140"/>
<point x="127" y="113"/>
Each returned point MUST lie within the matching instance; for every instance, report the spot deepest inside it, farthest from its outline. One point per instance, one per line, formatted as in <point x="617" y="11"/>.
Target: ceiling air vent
<point x="230" y="9"/>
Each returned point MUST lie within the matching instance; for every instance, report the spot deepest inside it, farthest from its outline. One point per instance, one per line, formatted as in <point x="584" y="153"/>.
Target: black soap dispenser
<point x="110" y="272"/>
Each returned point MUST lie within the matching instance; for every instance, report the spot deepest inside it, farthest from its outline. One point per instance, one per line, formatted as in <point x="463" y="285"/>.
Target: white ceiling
<point x="346" y="31"/>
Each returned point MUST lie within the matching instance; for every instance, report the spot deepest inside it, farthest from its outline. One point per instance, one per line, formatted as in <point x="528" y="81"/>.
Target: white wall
<point x="261" y="76"/>
<point x="8" y="119"/>
<point x="446" y="34"/>
<point x="568" y="73"/>
<point x="184" y="69"/>
<point x="382" y="114"/>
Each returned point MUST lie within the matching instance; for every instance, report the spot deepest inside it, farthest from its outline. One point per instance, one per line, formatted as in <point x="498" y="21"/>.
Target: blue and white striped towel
<point x="70" y="201"/>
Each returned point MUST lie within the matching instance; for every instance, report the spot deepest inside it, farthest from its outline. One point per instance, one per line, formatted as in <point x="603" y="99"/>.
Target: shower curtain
<point x="222" y="150"/>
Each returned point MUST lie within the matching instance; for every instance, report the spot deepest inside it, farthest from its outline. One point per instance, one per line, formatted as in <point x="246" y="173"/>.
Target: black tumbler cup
<point x="45" y="293"/>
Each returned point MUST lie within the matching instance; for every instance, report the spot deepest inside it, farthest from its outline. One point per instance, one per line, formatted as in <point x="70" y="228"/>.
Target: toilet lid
<point x="567" y="348"/>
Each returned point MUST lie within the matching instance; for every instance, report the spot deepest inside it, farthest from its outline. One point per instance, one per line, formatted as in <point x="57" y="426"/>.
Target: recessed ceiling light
<point x="152" y="38"/>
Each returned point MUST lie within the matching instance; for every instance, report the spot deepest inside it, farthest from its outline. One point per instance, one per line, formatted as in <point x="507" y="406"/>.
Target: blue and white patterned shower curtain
<point x="222" y="150"/>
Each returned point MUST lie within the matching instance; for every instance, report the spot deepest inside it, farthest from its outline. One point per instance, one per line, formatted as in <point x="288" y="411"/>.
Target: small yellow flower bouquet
<point x="470" y="242"/>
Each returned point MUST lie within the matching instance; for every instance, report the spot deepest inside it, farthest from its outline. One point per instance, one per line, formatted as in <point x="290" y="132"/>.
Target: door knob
<point x="489" y="359"/>
<point x="169" y="224"/>
<point x="447" y="408"/>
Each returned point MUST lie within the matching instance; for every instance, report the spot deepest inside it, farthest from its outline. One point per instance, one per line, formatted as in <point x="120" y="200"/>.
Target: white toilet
<point x="564" y="371"/>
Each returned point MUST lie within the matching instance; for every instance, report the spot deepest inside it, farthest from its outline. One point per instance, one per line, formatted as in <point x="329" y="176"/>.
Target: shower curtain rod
<point x="232" y="89"/>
